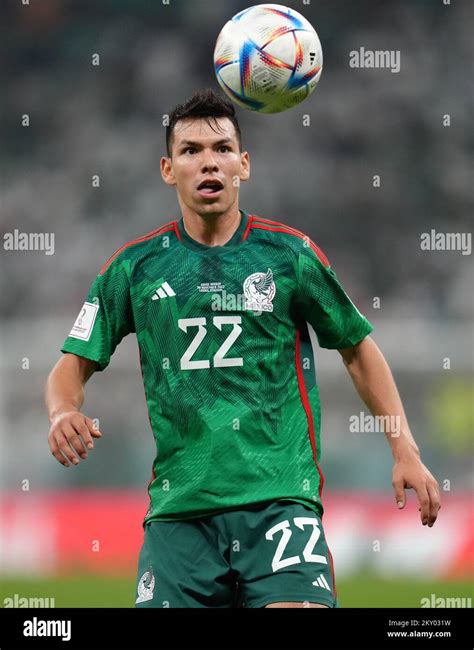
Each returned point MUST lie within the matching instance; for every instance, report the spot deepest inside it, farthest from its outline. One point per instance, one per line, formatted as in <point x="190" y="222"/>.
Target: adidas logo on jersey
<point x="321" y="582"/>
<point x="163" y="291"/>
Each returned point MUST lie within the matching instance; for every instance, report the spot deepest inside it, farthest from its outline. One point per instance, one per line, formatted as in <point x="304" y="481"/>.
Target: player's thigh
<point x="283" y="556"/>
<point x="181" y="565"/>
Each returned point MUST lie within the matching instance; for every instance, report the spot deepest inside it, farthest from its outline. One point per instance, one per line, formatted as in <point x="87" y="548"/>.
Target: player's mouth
<point x="210" y="187"/>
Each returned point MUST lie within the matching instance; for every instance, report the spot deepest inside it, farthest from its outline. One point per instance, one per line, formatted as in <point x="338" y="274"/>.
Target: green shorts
<point x="260" y="554"/>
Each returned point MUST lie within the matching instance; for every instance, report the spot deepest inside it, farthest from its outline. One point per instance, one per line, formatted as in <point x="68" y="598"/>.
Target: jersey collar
<point x="235" y="240"/>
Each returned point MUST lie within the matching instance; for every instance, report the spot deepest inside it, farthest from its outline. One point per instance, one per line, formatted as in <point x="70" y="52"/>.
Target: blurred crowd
<point x="106" y="120"/>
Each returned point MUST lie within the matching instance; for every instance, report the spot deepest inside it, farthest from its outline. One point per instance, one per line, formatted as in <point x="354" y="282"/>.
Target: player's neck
<point x="212" y="230"/>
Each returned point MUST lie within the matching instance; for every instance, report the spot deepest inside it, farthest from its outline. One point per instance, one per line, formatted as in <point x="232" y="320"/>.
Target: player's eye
<point x="225" y="147"/>
<point x="189" y="150"/>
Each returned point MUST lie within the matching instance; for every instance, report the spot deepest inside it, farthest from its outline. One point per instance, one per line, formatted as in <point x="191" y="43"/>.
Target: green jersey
<point x="226" y="359"/>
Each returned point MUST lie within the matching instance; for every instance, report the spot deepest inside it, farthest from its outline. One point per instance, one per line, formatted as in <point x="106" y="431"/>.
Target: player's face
<point x="206" y="166"/>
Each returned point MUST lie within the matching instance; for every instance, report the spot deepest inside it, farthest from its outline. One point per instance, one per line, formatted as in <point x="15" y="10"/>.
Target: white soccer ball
<point x="268" y="58"/>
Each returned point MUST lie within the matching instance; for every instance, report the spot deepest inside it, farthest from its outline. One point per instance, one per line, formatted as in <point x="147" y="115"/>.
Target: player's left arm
<point x="374" y="382"/>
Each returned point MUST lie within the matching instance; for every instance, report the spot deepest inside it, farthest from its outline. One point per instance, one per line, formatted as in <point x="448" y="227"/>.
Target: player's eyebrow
<point x="191" y="143"/>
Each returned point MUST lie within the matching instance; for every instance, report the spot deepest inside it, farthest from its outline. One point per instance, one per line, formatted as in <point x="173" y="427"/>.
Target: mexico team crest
<point x="146" y="586"/>
<point x="259" y="290"/>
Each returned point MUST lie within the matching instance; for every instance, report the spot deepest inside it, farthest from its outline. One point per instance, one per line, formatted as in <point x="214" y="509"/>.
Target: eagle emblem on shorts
<point x="146" y="585"/>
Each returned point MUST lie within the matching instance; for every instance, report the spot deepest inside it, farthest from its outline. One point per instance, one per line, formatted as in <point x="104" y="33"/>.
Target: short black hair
<point x="205" y="104"/>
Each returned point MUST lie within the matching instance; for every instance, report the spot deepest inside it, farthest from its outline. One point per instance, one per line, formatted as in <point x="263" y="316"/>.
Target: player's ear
<point x="244" y="166"/>
<point x="166" y="168"/>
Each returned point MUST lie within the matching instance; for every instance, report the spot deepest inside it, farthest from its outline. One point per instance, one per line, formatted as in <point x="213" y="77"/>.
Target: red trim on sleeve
<point x="155" y="233"/>
<point x="276" y="226"/>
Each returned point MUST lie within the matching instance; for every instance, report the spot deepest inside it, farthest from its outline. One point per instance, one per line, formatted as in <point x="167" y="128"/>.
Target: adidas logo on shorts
<point x="321" y="582"/>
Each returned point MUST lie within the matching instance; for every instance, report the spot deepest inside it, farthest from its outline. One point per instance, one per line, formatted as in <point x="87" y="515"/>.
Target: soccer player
<point x="220" y="301"/>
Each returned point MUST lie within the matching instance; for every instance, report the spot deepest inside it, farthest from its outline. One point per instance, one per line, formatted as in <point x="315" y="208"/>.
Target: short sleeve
<point x="104" y="318"/>
<point x="323" y="303"/>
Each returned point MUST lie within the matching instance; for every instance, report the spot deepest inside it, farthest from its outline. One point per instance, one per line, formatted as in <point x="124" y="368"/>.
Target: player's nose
<point x="208" y="163"/>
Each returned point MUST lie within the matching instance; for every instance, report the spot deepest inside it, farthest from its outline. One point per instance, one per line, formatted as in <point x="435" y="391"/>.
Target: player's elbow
<point x="76" y="365"/>
<point x="350" y="355"/>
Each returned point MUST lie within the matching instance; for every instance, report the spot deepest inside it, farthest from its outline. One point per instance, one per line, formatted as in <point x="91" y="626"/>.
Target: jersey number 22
<point x="219" y="360"/>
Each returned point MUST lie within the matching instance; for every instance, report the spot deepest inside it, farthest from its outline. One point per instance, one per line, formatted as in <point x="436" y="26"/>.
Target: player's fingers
<point x="435" y="502"/>
<point x="75" y="441"/>
<point x="53" y="445"/>
<point x="85" y="434"/>
<point x="93" y="431"/>
<point x="424" y="500"/>
<point x="72" y="434"/>
<point x="65" y="448"/>
<point x="400" y="498"/>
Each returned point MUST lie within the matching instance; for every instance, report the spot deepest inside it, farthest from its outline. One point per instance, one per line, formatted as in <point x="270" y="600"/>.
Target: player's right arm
<point x="104" y="319"/>
<point x="71" y="432"/>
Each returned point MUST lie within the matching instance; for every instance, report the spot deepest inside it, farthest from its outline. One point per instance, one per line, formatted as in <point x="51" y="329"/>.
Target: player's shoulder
<point x="134" y="249"/>
<point x="282" y="234"/>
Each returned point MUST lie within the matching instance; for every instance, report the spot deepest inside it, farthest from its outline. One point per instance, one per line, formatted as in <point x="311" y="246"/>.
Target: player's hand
<point x="71" y="436"/>
<point x="411" y="473"/>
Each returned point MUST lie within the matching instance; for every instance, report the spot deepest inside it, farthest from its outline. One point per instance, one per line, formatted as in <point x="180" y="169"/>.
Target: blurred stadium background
<point x="106" y="120"/>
